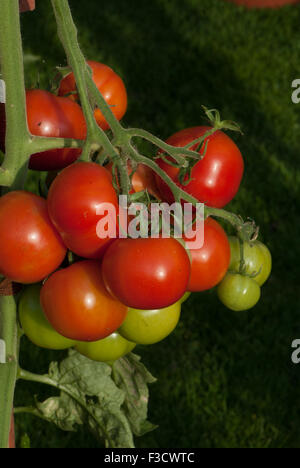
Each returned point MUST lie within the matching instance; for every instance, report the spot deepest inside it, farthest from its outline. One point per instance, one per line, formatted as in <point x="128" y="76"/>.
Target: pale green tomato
<point x="238" y="292"/>
<point x="257" y="259"/>
<point x="34" y="323"/>
<point x="109" y="349"/>
<point x="150" y="326"/>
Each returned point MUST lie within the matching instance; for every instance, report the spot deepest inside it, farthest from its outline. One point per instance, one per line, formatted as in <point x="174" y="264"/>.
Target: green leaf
<point x="133" y="378"/>
<point x="88" y="396"/>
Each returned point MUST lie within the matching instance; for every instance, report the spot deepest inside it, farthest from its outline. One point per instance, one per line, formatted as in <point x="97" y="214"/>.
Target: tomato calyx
<point x="214" y="118"/>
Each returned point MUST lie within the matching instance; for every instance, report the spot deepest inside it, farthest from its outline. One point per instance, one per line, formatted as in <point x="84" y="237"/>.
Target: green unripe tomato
<point x="150" y="326"/>
<point x="238" y="292"/>
<point x="185" y="297"/>
<point x="34" y="323"/>
<point x="109" y="349"/>
<point x="257" y="259"/>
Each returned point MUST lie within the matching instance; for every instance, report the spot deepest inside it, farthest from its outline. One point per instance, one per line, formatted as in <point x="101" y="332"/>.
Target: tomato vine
<point x="119" y="149"/>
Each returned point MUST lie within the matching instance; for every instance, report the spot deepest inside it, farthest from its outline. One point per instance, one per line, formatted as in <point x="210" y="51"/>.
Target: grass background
<point x="224" y="379"/>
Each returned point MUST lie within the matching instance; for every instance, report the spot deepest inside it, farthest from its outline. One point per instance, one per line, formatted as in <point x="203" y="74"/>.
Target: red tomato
<point x="216" y="178"/>
<point x="30" y="247"/>
<point x="73" y="200"/>
<point x="146" y="273"/>
<point x="110" y="86"/>
<point x="210" y="262"/>
<point x="52" y="116"/>
<point x="77" y="304"/>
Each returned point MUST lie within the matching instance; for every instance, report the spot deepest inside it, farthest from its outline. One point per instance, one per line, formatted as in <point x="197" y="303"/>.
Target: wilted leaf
<point x="132" y="376"/>
<point x="111" y="401"/>
<point x="88" y="396"/>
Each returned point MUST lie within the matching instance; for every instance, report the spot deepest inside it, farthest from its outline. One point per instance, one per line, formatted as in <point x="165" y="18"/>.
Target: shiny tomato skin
<point x="110" y="85"/>
<point x="238" y="293"/>
<point x="73" y="199"/>
<point x="215" y="178"/>
<point x="52" y="116"/>
<point x="30" y="247"/>
<point x="150" y="326"/>
<point x="146" y="273"/>
<point x="77" y="304"/>
<point x="210" y="262"/>
<point x="34" y="323"/>
<point x="108" y="349"/>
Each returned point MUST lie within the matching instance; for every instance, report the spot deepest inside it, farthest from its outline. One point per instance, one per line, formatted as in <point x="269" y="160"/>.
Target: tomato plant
<point x="75" y="200"/>
<point x="146" y="273"/>
<point x="30" y="246"/>
<point x="211" y="261"/>
<point x="238" y="292"/>
<point x="77" y="304"/>
<point x="120" y="291"/>
<point x="34" y="323"/>
<point x="215" y="178"/>
<point x="150" y="326"/>
<point x="108" y="349"/>
<point x="257" y="259"/>
<point x="110" y="85"/>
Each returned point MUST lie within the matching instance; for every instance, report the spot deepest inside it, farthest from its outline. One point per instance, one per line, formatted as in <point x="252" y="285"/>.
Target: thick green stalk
<point x="13" y="174"/>
<point x="8" y="370"/>
<point x="13" y="171"/>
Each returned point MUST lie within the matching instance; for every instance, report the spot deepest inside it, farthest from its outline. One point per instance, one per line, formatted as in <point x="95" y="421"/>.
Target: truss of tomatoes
<point x="119" y="292"/>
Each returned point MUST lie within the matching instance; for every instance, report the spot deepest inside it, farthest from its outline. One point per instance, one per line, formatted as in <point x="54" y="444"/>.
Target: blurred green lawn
<point x="224" y="379"/>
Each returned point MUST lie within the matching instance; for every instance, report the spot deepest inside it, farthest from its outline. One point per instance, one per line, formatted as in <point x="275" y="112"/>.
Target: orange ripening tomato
<point x="30" y="246"/>
<point x="142" y="179"/>
<point x="211" y="261"/>
<point x="77" y="304"/>
<point x="110" y="85"/>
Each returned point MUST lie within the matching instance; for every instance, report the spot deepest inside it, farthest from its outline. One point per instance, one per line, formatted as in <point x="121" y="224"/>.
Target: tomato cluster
<point x="103" y="293"/>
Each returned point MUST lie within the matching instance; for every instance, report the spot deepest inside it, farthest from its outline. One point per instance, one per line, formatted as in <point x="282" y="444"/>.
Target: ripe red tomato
<point x="30" y="246"/>
<point x="52" y="116"/>
<point x="77" y="304"/>
<point x="146" y="273"/>
<point x="210" y="262"/>
<point x="73" y="200"/>
<point x="215" y="178"/>
<point x="110" y="86"/>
